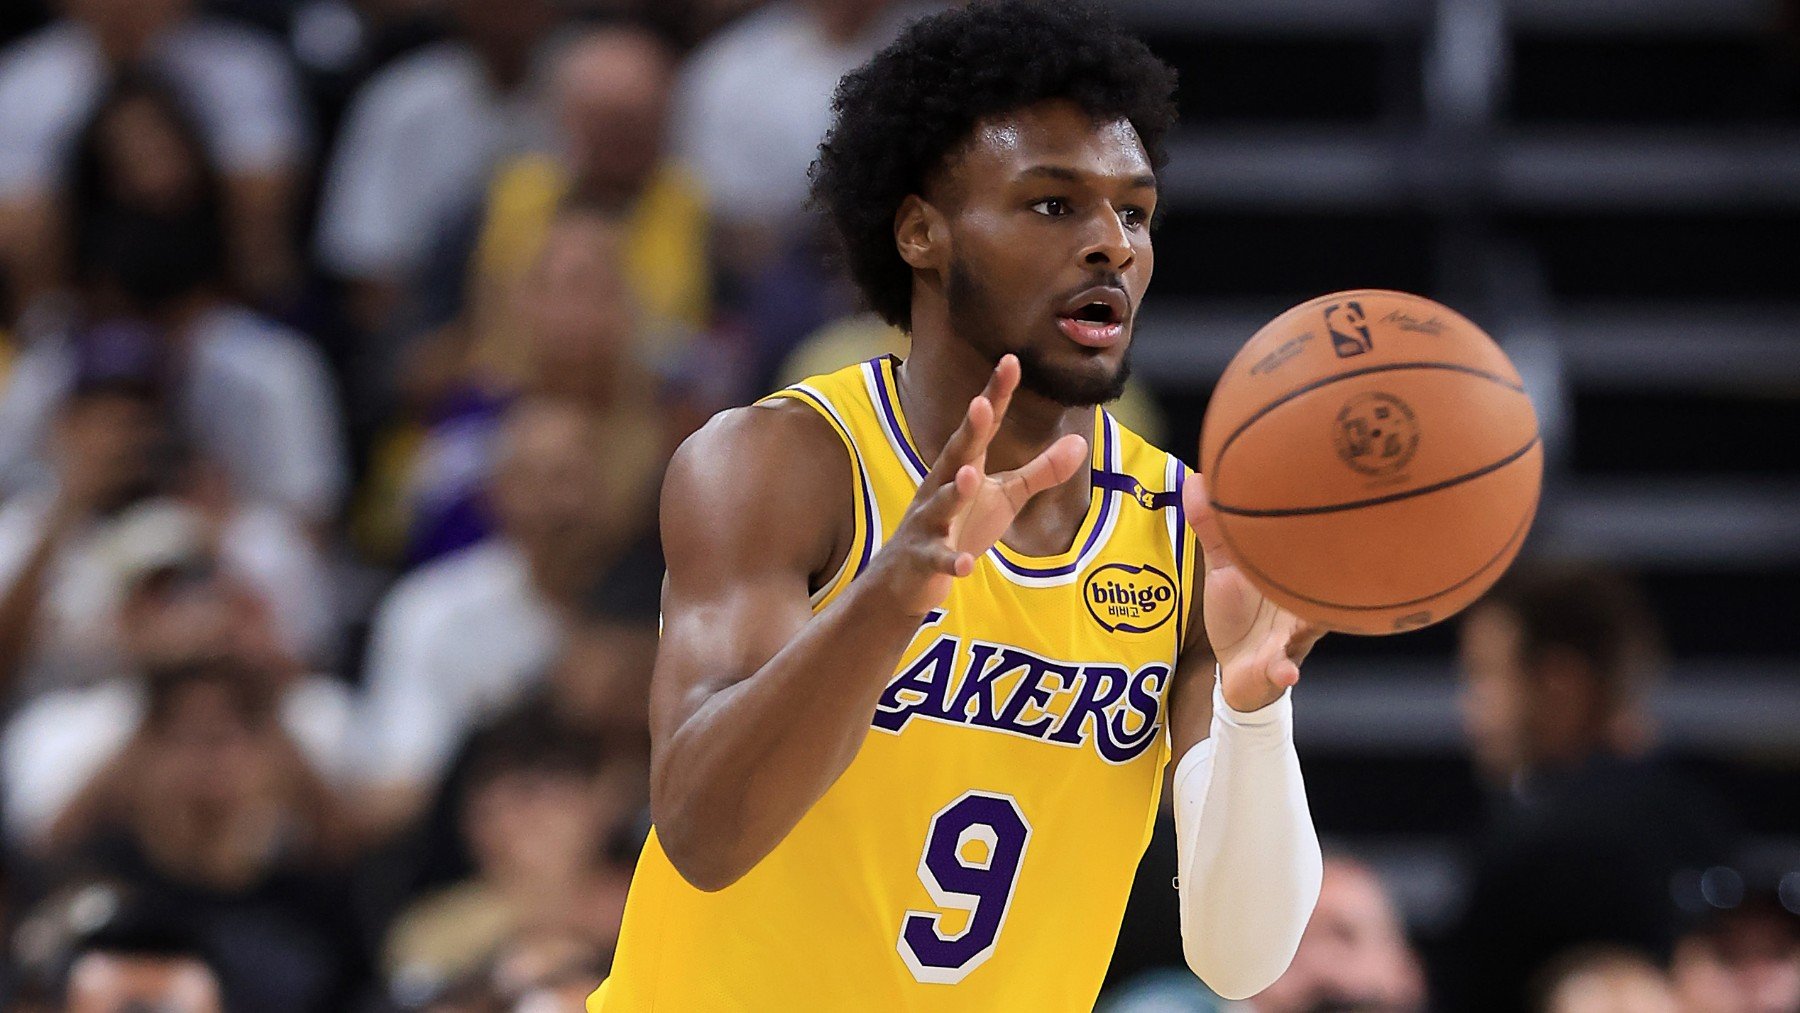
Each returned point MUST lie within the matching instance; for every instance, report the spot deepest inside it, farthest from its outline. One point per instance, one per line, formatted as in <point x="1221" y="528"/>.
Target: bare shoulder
<point x="769" y="482"/>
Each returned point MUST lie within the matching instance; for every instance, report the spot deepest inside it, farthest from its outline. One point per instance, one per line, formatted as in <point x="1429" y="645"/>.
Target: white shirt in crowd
<point x="76" y="637"/>
<point x="417" y="144"/>
<point x="257" y="399"/>
<point x="56" y="743"/>
<point x="754" y="103"/>
<point x="454" y="642"/>
<point x="236" y="82"/>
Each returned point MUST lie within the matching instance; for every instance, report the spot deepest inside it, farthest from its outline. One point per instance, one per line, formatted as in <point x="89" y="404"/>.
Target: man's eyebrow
<point x="1058" y="172"/>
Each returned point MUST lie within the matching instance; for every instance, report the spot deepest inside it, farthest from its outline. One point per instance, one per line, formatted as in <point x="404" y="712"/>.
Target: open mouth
<point x="1095" y="318"/>
<point x="1097" y="313"/>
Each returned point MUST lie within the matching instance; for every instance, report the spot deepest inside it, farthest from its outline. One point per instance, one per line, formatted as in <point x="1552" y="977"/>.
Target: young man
<point x="919" y="640"/>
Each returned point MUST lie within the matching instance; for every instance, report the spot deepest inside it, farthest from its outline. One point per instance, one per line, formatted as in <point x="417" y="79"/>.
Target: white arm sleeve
<point x="1249" y="859"/>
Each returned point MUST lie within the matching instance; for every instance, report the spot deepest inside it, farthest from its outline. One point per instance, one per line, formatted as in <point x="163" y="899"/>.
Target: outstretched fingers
<point x="969" y="444"/>
<point x="1001" y="384"/>
<point x="1058" y="463"/>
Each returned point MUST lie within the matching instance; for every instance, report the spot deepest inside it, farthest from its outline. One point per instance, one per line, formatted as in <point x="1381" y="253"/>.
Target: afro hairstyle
<point x="901" y="116"/>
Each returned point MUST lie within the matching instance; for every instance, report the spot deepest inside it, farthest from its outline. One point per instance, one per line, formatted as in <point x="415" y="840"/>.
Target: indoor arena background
<point x="344" y="341"/>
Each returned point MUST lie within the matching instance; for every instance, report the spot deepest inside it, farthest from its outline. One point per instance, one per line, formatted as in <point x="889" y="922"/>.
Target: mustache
<point x="1103" y="279"/>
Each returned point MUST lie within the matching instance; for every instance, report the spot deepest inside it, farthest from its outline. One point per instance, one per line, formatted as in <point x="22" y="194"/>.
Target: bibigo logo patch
<point x="1129" y="599"/>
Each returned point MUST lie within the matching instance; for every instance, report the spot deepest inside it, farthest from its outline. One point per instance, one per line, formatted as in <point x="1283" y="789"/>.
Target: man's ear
<point x="921" y="234"/>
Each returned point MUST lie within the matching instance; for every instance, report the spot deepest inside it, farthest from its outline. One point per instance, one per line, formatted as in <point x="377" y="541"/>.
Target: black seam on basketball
<point x="1518" y="533"/>
<point x="1392" y="367"/>
<point x="1392" y="497"/>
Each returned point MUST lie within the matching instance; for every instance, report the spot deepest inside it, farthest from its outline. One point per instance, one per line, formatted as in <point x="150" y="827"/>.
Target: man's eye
<point x="1054" y="207"/>
<point x="1133" y="217"/>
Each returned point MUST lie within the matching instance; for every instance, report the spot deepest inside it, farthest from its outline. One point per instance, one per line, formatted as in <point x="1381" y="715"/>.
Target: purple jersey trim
<point x="893" y="417"/>
<point x="862" y="479"/>
<point x="1180" y="552"/>
<point x="1101" y="483"/>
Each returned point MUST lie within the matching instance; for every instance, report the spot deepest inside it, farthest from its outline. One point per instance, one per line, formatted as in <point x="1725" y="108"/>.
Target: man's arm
<point x="758" y="705"/>
<point x="1249" y="862"/>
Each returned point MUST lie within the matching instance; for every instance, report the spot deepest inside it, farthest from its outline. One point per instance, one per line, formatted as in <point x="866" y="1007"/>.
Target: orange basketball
<point x="1373" y="461"/>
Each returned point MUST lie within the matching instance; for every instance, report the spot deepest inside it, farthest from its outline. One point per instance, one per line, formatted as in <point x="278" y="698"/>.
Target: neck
<point x="939" y="378"/>
<point x="942" y="373"/>
<point x="613" y="192"/>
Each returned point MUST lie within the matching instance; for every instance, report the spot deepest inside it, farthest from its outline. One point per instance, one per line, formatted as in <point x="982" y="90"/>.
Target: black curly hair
<point x="901" y="115"/>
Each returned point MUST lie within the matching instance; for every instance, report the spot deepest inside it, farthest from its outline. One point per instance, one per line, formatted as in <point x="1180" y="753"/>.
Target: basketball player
<point x="932" y="627"/>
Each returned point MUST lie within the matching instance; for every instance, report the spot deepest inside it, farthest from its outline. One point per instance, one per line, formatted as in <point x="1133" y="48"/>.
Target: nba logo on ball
<point x="1349" y="336"/>
<point x="1129" y="599"/>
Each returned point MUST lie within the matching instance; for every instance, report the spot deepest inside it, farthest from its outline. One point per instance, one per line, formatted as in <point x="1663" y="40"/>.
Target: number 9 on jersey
<point x="973" y="852"/>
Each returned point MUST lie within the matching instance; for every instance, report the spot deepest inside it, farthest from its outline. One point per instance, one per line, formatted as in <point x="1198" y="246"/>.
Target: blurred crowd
<point x="342" y="344"/>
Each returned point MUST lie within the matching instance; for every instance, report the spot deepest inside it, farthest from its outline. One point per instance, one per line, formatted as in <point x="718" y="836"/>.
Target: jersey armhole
<point x="865" y="524"/>
<point x="1187" y="552"/>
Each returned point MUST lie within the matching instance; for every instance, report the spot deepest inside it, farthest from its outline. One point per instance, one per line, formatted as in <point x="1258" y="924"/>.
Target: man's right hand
<point x="960" y="510"/>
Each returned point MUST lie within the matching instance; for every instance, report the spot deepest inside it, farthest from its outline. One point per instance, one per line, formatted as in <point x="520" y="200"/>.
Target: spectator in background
<point x="213" y="812"/>
<point x="1606" y="981"/>
<point x="464" y="636"/>
<point x="752" y="107"/>
<point x="1354" y="954"/>
<point x="141" y="960"/>
<point x="68" y="544"/>
<point x="584" y="342"/>
<point x="1585" y="834"/>
<point x="534" y="971"/>
<point x="755" y="101"/>
<point x="540" y="813"/>
<point x="597" y="686"/>
<point x="611" y="101"/>
<point x="238" y="83"/>
<point x="418" y="143"/>
<point x="1744" y="958"/>
<point x="548" y="971"/>
<point x="147" y="217"/>
<point x="179" y="605"/>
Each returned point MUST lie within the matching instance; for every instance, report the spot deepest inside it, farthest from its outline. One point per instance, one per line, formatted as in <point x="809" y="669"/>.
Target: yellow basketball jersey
<point x="977" y="853"/>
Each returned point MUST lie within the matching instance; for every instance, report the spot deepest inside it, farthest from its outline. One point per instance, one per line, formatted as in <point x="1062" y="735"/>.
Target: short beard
<point x="1071" y="390"/>
<point x="977" y="320"/>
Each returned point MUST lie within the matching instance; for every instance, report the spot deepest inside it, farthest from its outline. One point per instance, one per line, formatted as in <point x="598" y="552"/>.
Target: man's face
<point x="1748" y="964"/>
<point x="1495" y="693"/>
<point x="104" y="983"/>
<point x="147" y="160"/>
<point x="179" y="614"/>
<point x="547" y="481"/>
<point x="540" y="825"/>
<point x="1048" y="213"/>
<point x="210" y="756"/>
<point x="1354" y="953"/>
<point x="578" y="307"/>
<point x="612" y="98"/>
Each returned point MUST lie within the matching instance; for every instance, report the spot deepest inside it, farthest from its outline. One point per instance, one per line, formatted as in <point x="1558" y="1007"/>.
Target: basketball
<point x="1373" y="461"/>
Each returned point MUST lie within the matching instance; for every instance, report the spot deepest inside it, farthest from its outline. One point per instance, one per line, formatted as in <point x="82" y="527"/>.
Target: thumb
<point x="1205" y="522"/>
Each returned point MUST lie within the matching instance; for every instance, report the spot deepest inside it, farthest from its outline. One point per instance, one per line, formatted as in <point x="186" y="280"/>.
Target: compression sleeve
<point x="1249" y="861"/>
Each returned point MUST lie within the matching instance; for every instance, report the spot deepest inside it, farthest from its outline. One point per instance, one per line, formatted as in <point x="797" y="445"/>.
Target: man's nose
<point x="1109" y="244"/>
